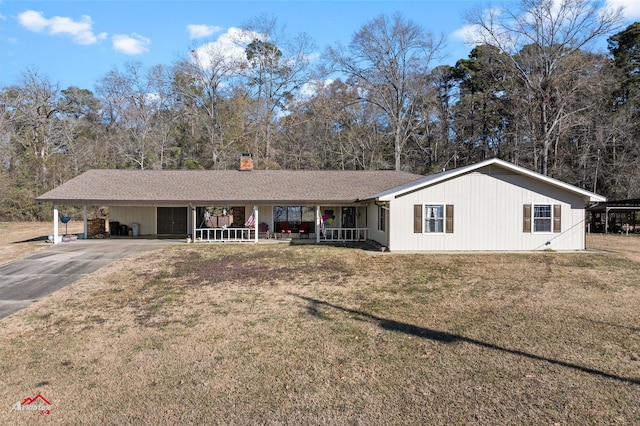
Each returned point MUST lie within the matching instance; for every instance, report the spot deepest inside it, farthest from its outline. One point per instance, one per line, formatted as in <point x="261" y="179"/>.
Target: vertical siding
<point x="265" y="214"/>
<point x="128" y="215"/>
<point x="374" y="233"/>
<point x="488" y="214"/>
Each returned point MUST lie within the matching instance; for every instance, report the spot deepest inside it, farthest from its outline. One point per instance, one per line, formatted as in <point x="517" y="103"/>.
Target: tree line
<point x="533" y="91"/>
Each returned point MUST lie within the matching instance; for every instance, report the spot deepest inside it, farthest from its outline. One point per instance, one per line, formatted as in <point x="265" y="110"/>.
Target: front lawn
<point x="276" y="334"/>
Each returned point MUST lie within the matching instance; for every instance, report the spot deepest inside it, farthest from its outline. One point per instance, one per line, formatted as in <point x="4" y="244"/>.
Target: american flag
<point x="251" y="221"/>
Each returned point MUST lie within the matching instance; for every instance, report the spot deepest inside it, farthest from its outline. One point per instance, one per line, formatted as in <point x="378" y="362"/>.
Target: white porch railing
<point x="345" y="234"/>
<point x="212" y="235"/>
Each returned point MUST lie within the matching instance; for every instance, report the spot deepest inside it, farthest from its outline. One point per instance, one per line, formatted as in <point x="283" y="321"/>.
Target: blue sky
<point x="77" y="42"/>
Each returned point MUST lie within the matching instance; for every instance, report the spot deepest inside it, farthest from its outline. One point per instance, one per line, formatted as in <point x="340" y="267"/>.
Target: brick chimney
<point x="246" y="162"/>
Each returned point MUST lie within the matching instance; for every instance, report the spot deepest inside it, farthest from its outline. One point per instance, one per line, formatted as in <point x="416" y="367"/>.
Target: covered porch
<point x="285" y="222"/>
<point x="200" y="224"/>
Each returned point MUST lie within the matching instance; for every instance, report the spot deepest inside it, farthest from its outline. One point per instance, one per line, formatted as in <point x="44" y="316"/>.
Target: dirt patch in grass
<point x="274" y="334"/>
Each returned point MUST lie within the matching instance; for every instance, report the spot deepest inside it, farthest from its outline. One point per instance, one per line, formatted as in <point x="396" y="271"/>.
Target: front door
<point x="238" y="216"/>
<point x="348" y="217"/>
<point x="172" y="220"/>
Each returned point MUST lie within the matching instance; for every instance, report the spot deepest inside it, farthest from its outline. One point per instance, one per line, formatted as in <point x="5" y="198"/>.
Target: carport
<point x="615" y="216"/>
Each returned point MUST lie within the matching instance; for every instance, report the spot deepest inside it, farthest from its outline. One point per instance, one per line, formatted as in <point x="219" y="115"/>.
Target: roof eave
<point x="592" y="197"/>
<point x="118" y="202"/>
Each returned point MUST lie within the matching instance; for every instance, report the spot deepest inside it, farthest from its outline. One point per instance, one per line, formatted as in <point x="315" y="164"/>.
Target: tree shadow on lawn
<point x="446" y="337"/>
<point x="609" y="324"/>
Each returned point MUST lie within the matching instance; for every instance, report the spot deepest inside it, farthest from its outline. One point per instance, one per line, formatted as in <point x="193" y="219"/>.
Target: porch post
<point x="318" y="219"/>
<point x="55" y="224"/>
<point x="193" y="221"/>
<point x="84" y="220"/>
<point x="255" y="223"/>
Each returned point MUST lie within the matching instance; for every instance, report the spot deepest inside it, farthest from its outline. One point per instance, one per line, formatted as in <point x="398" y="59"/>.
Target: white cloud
<point x="631" y="7"/>
<point x="228" y="49"/>
<point x="33" y="21"/>
<point x="201" y="30"/>
<point x="133" y="44"/>
<point x="313" y="87"/>
<point x="81" y="31"/>
<point x="468" y="34"/>
<point x="473" y="34"/>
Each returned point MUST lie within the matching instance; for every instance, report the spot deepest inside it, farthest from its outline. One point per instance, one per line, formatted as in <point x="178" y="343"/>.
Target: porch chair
<point x="304" y="230"/>
<point x="263" y="231"/>
<point x="285" y="228"/>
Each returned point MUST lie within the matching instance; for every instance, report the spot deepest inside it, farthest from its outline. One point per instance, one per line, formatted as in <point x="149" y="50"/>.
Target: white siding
<point x="373" y="218"/>
<point x="145" y="216"/>
<point x="488" y="210"/>
<point x="265" y="214"/>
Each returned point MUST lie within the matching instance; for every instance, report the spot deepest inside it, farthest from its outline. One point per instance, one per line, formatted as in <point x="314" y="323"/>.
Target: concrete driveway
<point x="27" y="280"/>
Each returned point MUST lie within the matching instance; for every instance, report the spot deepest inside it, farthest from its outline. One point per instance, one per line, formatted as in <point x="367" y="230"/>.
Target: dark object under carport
<point x="114" y="228"/>
<point x="124" y="230"/>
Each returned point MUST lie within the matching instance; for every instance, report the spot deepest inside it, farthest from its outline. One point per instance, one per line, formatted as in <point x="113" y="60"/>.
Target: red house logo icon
<point x="37" y="403"/>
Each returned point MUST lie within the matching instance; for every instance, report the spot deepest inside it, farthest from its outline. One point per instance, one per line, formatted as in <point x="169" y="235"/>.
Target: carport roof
<point x="110" y="187"/>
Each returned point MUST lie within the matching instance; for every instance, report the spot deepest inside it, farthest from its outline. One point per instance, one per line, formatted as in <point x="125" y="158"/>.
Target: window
<point x="545" y="218"/>
<point x="542" y="218"/>
<point x="434" y="218"/>
<point x="293" y="217"/>
<point x="287" y="213"/>
<point x="309" y="214"/>
<point x="382" y="219"/>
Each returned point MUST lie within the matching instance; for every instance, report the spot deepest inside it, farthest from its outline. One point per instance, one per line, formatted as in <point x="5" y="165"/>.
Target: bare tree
<point x="276" y="67"/>
<point x="81" y="130"/>
<point x="389" y="59"/>
<point x="137" y="104"/>
<point x="200" y="80"/>
<point x="32" y="110"/>
<point x="541" y="39"/>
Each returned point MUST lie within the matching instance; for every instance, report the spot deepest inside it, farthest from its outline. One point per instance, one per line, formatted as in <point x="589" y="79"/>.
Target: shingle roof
<point x="153" y="187"/>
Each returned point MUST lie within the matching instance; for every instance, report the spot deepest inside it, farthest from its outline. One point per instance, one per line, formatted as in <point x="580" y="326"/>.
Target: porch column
<point x="84" y="220"/>
<point x="255" y="223"/>
<point x="195" y="225"/>
<point x="318" y="224"/>
<point x="56" y="218"/>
